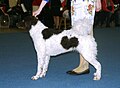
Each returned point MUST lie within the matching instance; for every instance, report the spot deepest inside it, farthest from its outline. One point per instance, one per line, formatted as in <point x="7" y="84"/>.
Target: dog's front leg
<point x="45" y="66"/>
<point x="41" y="54"/>
<point x="39" y="69"/>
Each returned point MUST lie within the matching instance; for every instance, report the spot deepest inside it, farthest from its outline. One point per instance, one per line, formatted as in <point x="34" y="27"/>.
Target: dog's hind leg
<point x="90" y="58"/>
<point x="95" y="63"/>
<point x="88" y="49"/>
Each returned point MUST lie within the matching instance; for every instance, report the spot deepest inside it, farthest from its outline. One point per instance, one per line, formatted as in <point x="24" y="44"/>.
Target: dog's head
<point x="27" y="22"/>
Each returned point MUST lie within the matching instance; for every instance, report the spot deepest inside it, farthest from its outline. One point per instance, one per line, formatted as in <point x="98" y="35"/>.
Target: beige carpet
<point x="11" y="30"/>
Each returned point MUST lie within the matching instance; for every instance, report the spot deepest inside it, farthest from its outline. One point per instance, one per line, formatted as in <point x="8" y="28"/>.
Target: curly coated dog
<point x="51" y="42"/>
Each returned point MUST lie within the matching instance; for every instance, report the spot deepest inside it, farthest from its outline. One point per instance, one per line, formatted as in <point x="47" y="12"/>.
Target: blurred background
<point x="14" y="11"/>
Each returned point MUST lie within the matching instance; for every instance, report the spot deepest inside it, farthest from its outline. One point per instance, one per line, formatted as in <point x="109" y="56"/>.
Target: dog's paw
<point x="37" y="77"/>
<point x="96" y="77"/>
<point x="34" y="77"/>
<point x="43" y="74"/>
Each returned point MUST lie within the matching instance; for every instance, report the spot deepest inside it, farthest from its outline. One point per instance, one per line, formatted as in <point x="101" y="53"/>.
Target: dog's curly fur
<point x="77" y="38"/>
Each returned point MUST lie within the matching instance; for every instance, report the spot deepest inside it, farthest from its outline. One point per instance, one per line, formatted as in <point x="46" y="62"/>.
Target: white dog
<point x="49" y="42"/>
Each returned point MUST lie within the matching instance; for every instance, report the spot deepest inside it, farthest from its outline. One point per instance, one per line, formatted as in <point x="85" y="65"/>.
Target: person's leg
<point x="83" y="67"/>
<point x="57" y="22"/>
<point x="108" y="19"/>
<point x="54" y="18"/>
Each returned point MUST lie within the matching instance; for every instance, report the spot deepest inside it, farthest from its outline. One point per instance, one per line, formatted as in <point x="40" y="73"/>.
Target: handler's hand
<point x="36" y="13"/>
<point x="98" y="5"/>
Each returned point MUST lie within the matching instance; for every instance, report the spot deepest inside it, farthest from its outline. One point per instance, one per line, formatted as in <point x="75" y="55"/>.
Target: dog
<point x="51" y="42"/>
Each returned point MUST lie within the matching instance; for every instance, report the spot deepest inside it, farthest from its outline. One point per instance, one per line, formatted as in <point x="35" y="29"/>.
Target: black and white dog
<point x="51" y="42"/>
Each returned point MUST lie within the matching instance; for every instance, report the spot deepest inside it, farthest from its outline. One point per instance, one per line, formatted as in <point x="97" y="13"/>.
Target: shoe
<point x="76" y="73"/>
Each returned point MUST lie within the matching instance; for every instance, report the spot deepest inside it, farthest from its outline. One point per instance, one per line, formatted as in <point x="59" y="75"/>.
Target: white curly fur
<point x="51" y="47"/>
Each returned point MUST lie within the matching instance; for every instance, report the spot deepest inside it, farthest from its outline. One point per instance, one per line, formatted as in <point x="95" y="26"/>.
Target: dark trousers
<point x="46" y="17"/>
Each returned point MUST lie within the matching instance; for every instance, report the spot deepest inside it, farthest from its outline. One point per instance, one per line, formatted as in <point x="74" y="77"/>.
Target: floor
<point x="11" y="30"/>
<point x="18" y="62"/>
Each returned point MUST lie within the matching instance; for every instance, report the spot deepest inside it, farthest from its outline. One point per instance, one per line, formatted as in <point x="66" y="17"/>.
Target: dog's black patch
<point x="74" y="42"/>
<point x="48" y="32"/>
<point x="65" y="42"/>
<point x="69" y="43"/>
